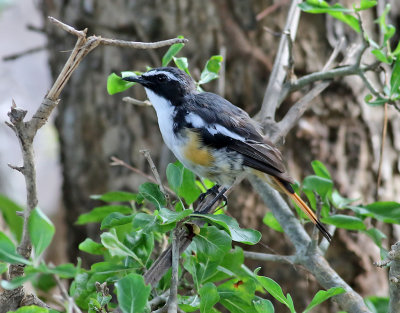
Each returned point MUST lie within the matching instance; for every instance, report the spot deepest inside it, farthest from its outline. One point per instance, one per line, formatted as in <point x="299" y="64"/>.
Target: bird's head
<point x="167" y="82"/>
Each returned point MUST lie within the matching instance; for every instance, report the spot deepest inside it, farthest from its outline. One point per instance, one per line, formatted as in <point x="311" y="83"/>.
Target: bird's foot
<point x="215" y="191"/>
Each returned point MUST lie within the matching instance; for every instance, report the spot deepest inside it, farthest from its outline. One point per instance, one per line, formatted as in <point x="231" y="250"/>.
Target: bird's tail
<point x="303" y="206"/>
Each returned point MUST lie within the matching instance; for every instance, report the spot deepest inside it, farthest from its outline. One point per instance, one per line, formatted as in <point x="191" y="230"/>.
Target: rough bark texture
<point x="340" y="130"/>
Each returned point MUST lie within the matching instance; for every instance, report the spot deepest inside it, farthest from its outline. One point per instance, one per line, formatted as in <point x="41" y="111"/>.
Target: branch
<point x="278" y="74"/>
<point x="291" y="259"/>
<point x="393" y="261"/>
<point x="173" y="297"/>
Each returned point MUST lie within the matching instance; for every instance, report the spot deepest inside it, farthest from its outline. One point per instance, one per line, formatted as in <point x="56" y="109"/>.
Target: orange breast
<point x="195" y="152"/>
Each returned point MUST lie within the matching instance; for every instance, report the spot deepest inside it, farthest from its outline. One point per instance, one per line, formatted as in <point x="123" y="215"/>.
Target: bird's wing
<point x="221" y="124"/>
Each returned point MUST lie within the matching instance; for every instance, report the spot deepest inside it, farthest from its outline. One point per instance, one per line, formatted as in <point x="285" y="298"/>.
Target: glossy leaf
<point x="322" y="186"/>
<point x="208" y="297"/>
<point x="31" y="309"/>
<point x="182" y="64"/>
<point x="243" y="235"/>
<point x="344" y="221"/>
<point x="237" y="295"/>
<point x="376" y="235"/>
<point x="116" y="247"/>
<point x="9" y="210"/>
<point x="174" y="176"/>
<point x="380" y="55"/>
<point x="395" y="78"/>
<point x="211" y="69"/>
<point x="188" y="190"/>
<point x="99" y="213"/>
<point x="386" y="209"/>
<point x="320" y="169"/>
<point x="8" y="252"/>
<point x="116" y="219"/>
<point x="41" y="231"/>
<point x="270" y="220"/>
<point x="116" y="196"/>
<point x="322" y="296"/>
<point x="213" y="242"/>
<point x="116" y="84"/>
<point x="263" y="306"/>
<point x="273" y="289"/>
<point x="132" y="293"/>
<point x="365" y="5"/>
<point x="91" y="247"/>
<point x="16" y="282"/>
<point x="172" y="51"/>
<point x="377" y="304"/>
<point x="169" y="216"/>
<point x="152" y="193"/>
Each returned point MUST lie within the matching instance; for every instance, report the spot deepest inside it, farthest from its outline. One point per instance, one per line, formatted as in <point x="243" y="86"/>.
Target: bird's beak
<point x="136" y="79"/>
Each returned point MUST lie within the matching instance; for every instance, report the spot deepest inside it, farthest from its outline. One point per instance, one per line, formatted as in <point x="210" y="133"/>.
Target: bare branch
<point x="173" y="295"/>
<point x="18" y="55"/>
<point x="290" y="259"/>
<point x="134" y="101"/>
<point x="140" y="45"/>
<point x="278" y="74"/>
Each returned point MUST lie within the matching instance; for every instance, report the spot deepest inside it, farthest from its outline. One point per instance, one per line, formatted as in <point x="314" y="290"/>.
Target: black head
<point x="168" y="82"/>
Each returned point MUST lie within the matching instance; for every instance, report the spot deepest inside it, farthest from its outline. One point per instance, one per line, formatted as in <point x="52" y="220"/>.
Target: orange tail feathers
<point x="305" y="208"/>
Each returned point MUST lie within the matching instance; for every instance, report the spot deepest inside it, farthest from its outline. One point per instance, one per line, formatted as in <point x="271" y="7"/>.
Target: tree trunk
<point x="339" y="130"/>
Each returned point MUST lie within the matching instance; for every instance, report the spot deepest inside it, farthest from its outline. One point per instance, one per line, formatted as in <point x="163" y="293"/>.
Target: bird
<point x="212" y="137"/>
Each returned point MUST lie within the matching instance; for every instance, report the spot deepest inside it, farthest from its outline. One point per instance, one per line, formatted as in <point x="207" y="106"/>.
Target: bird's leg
<point x="213" y="190"/>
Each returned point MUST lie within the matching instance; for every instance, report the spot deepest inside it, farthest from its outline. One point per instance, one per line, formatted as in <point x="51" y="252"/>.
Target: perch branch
<point x="26" y="131"/>
<point x="290" y="259"/>
<point x="173" y="298"/>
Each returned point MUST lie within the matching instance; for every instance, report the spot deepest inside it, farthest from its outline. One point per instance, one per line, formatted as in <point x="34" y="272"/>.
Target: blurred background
<point x="73" y="151"/>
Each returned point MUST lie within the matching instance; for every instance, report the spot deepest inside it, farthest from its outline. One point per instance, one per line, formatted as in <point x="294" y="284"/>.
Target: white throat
<point x="165" y="115"/>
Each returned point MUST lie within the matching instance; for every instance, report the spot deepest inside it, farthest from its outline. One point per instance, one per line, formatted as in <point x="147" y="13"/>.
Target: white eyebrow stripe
<point x="154" y="73"/>
<point x="213" y="129"/>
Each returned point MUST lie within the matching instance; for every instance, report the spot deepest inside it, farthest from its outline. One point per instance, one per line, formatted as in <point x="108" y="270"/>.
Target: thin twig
<point x="72" y="306"/>
<point x="141" y="45"/>
<point x="119" y="162"/>
<point x="153" y="168"/>
<point x="278" y="74"/>
<point x="290" y="259"/>
<point x="18" y="55"/>
<point x="290" y="76"/>
<point x="173" y="295"/>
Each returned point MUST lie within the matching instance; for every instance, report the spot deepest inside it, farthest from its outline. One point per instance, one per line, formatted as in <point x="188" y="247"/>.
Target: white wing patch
<point x="213" y="129"/>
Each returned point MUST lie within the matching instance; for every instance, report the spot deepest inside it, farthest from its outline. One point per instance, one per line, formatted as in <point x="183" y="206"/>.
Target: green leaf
<point x="67" y="270"/>
<point x="365" y="5"/>
<point x="237" y="295"/>
<point x="376" y="235"/>
<point x="41" y="231"/>
<point x="9" y="210"/>
<point x="169" y="216"/>
<point x="152" y="193"/>
<point x="116" y="196"/>
<point x="377" y="102"/>
<point x="116" y="219"/>
<point x="322" y="296"/>
<point x="395" y="78"/>
<point x="189" y="303"/>
<point x="339" y="201"/>
<point x="344" y="221"/>
<point x="322" y="186"/>
<point x="380" y="55"/>
<point x="132" y="293"/>
<point x="320" y="169"/>
<point x="243" y="235"/>
<point x="213" y="242"/>
<point x="31" y="309"/>
<point x="3" y="267"/>
<point x="182" y="64"/>
<point x="172" y="51"/>
<point x="211" y="69"/>
<point x="337" y="11"/>
<point x="116" y="247"/>
<point x="116" y="84"/>
<point x="91" y="247"/>
<point x="99" y="213"/>
<point x="263" y="306"/>
<point x="188" y="190"/>
<point x="208" y="297"/>
<point x="384" y="209"/>
<point x="8" y="253"/>
<point x="273" y="289"/>
<point x="174" y="176"/>
<point x="377" y="304"/>
<point x="270" y="220"/>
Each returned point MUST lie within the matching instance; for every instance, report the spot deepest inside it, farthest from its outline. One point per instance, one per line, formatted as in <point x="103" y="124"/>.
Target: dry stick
<point x="26" y="131"/>
<point x="134" y="101"/>
<point x="267" y="257"/>
<point x="72" y="306"/>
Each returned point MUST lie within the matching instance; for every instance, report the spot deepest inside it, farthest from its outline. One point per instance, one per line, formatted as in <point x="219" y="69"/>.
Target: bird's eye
<point x="161" y="78"/>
